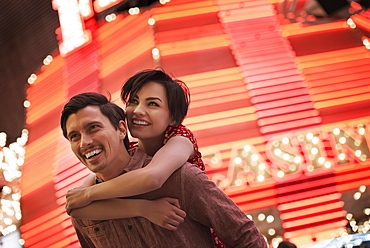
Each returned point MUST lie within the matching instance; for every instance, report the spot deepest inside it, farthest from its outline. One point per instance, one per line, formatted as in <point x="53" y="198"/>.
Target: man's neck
<point x="116" y="170"/>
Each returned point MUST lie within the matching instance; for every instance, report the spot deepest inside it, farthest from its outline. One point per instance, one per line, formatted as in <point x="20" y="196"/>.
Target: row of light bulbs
<point x="315" y="159"/>
<point x="11" y="160"/>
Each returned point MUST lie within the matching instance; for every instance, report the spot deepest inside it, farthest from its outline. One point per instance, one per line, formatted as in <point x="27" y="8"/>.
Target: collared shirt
<point x="205" y="206"/>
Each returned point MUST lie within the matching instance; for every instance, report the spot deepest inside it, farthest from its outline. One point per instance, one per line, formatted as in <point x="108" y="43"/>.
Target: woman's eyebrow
<point x="154" y="98"/>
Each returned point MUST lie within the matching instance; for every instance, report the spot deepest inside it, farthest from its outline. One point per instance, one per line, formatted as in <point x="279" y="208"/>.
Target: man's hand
<point x="76" y="198"/>
<point x="165" y="212"/>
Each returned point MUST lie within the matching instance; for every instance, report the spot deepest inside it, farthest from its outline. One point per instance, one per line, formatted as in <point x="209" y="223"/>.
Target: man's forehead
<point x="85" y="116"/>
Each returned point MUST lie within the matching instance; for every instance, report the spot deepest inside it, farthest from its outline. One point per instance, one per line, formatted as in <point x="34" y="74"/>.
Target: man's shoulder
<point x="191" y="171"/>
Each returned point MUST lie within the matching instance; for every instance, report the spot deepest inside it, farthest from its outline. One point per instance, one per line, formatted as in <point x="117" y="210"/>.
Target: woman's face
<point x="148" y="114"/>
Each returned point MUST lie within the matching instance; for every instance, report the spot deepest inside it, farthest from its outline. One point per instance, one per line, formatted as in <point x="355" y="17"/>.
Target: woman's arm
<point x="166" y="160"/>
<point x="164" y="212"/>
<point x="89" y="180"/>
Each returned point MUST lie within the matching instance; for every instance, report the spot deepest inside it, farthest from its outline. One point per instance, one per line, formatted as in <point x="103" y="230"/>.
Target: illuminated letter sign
<point x="71" y="23"/>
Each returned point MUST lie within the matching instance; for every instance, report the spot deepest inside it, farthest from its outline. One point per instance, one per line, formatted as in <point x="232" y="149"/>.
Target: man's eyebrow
<point x="91" y="123"/>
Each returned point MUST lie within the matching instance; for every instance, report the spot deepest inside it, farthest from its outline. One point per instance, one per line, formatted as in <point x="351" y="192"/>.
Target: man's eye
<point x="92" y="127"/>
<point x="72" y="136"/>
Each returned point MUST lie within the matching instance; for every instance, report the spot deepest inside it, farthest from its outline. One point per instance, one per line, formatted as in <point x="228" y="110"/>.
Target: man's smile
<point x="93" y="153"/>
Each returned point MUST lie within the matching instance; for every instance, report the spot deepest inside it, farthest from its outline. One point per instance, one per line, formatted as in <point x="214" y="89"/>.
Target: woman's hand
<point x="164" y="212"/>
<point x="76" y="198"/>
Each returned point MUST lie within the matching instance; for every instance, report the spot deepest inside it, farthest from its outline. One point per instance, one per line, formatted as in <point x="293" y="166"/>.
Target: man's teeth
<point x="92" y="153"/>
<point x="143" y="123"/>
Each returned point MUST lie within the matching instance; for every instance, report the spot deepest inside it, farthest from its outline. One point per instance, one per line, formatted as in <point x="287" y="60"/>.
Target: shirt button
<point x="96" y="229"/>
<point x="129" y="227"/>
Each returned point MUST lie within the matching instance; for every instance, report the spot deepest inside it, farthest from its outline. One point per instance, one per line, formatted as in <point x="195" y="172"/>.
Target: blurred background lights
<point x="247" y="148"/>
<point x="134" y="11"/>
<point x="261" y="217"/>
<point x="151" y="21"/>
<point x="21" y="241"/>
<point x="26" y="103"/>
<point x="286" y="156"/>
<point x="254" y="157"/>
<point x="310" y="168"/>
<point x="342" y="156"/>
<point x="362" y="188"/>
<point x="285" y="141"/>
<point x="271" y="232"/>
<point x="314" y="150"/>
<point x="309" y="136"/>
<point x="238" y="182"/>
<point x="321" y="160"/>
<point x="237" y="160"/>
<point x="164" y="1"/>
<point x="32" y="78"/>
<point x="361" y="130"/>
<point x="358" y="153"/>
<point x="48" y="60"/>
<point x="277" y="152"/>
<point x="297" y="159"/>
<point x="214" y="160"/>
<point x="351" y="23"/>
<point x="349" y="216"/>
<point x="280" y="174"/>
<point x="155" y="53"/>
<point x="111" y="17"/>
<point x="260" y="178"/>
<point x="342" y="140"/>
<point x="357" y="196"/>
<point x="336" y="131"/>
<point x="270" y="219"/>
<point x="327" y="164"/>
<point x="11" y="160"/>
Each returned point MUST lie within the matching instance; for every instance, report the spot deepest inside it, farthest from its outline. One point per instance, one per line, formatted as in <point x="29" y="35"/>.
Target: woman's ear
<point x="122" y="128"/>
<point x="173" y="123"/>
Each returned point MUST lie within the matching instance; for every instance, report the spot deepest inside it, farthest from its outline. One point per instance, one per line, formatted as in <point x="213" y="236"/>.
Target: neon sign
<point x="293" y="154"/>
<point x="71" y="14"/>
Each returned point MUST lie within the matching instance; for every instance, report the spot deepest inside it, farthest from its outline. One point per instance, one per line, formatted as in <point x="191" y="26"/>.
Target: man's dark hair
<point x="112" y="111"/>
<point x="177" y="92"/>
<point x="287" y="244"/>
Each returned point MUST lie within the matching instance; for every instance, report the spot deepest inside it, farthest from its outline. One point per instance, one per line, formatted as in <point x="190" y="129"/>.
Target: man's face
<point x="95" y="142"/>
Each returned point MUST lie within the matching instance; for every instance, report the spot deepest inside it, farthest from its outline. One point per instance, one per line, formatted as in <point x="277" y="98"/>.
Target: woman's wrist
<point x="91" y="193"/>
<point x="142" y="207"/>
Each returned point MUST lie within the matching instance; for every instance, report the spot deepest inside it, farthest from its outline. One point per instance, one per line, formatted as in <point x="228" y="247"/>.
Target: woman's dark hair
<point x="112" y="111"/>
<point x="177" y="92"/>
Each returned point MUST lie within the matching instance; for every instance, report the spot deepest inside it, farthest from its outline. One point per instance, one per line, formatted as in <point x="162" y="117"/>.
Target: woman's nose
<point x="139" y="109"/>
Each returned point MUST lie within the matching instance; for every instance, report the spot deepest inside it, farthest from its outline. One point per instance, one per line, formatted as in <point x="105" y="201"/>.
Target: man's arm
<point x="207" y="204"/>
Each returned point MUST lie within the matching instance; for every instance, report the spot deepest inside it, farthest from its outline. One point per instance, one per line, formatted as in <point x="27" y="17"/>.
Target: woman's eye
<point x="153" y="104"/>
<point x="132" y="101"/>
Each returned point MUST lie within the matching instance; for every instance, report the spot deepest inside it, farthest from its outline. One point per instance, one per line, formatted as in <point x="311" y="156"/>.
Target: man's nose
<point x="86" y="140"/>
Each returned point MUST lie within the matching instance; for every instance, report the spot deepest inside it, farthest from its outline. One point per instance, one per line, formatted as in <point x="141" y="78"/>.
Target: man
<point x="98" y="136"/>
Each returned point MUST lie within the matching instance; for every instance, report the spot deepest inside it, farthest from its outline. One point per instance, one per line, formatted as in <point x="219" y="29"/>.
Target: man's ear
<point x="122" y="128"/>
